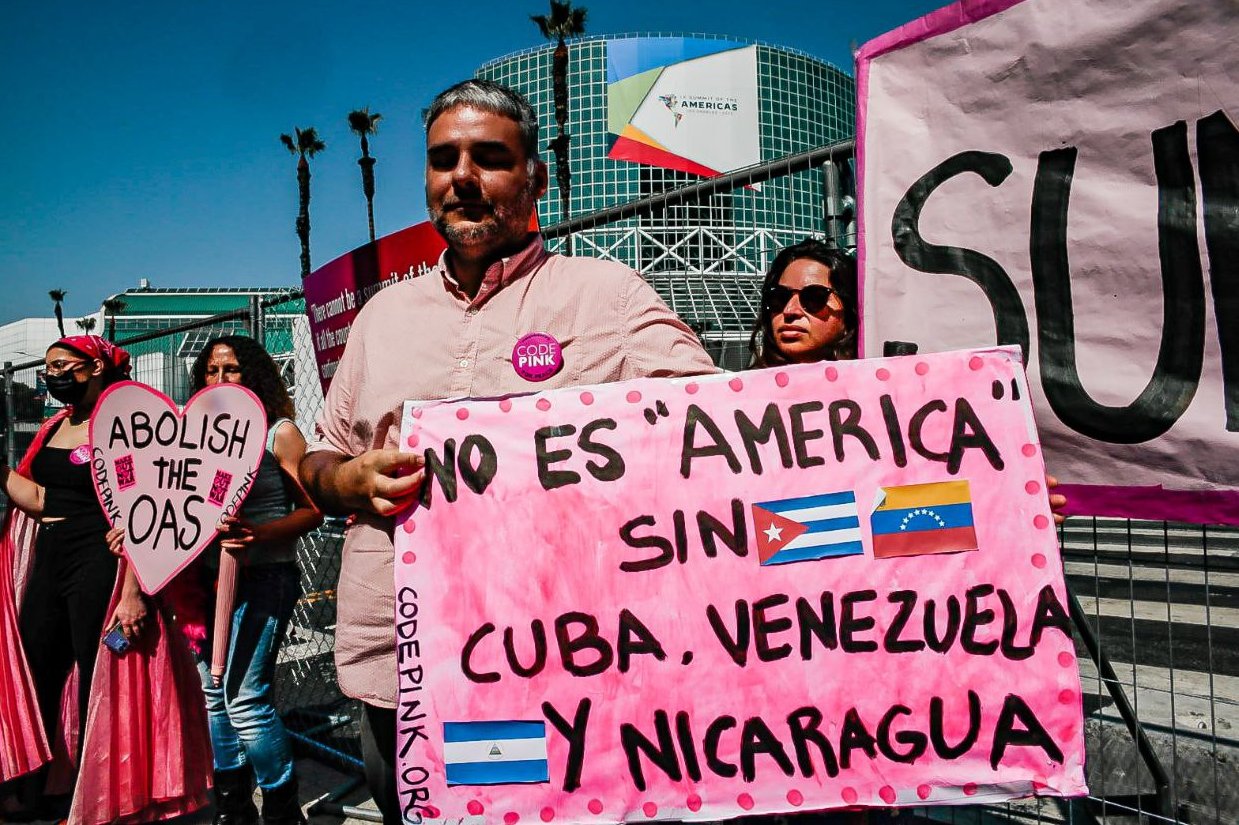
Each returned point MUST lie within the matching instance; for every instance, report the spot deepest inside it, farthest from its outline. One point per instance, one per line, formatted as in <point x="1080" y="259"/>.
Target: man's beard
<point x="507" y="222"/>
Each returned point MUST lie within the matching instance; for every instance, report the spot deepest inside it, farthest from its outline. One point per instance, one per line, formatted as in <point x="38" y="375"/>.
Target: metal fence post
<point x="10" y="416"/>
<point x="257" y="320"/>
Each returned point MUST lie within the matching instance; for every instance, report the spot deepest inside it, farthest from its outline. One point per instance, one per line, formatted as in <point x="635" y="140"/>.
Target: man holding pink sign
<point x="499" y="316"/>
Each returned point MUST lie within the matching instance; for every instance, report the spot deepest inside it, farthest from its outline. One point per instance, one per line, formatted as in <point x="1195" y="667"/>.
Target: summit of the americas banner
<point x="683" y="103"/>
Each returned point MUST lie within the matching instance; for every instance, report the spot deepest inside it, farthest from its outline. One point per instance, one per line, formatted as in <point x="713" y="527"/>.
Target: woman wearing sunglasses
<point x="808" y="308"/>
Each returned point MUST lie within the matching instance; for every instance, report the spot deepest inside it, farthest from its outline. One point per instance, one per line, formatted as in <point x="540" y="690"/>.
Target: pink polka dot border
<point x="505" y="405"/>
<point x="475" y="808"/>
<point x="595" y="806"/>
<point x="781" y="379"/>
<point x="408" y="557"/>
<point x="923" y="791"/>
<point x="511" y="818"/>
<point x="547" y="814"/>
<point x="883" y="374"/>
<point x="887" y="793"/>
<point x="1039" y="561"/>
<point x="462" y="414"/>
<point x="850" y="796"/>
<point x="795" y="798"/>
<point x="922" y="368"/>
<point x="411" y="440"/>
<point x="745" y="801"/>
<point x="1032" y="487"/>
<point x="587" y="398"/>
<point x="736" y="385"/>
<point x="633" y="397"/>
<point x="543" y="404"/>
<point x="693" y="802"/>
<point x="409" y="525"/>
<point x="650" y="810"/>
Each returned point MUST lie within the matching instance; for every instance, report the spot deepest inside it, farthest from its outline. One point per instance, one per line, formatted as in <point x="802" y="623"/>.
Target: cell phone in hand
<point x="116" y="640"/>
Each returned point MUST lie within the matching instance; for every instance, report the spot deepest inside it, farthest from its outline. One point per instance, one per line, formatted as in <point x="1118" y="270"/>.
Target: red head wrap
<point x="115" y="359"/>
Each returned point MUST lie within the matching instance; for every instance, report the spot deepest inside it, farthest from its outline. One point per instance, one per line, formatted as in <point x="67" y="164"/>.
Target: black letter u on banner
<point x="1176" y="374"/>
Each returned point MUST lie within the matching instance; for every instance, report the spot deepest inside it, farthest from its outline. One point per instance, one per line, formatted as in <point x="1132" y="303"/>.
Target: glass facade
<point x="803" y="103"/>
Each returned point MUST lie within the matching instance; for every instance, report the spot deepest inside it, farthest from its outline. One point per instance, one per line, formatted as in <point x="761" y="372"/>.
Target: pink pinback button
<point x="537" y="356"/>
<point x="81" y="455"/>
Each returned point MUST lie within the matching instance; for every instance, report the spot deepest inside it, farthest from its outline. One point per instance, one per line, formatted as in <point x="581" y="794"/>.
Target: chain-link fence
<point x="1155" y="605"/>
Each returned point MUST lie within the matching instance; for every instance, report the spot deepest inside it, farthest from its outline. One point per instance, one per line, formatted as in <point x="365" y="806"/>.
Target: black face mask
<point x="66" y="389"/>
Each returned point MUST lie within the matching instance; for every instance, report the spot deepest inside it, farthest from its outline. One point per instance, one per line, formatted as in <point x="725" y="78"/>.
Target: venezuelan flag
<point x="917" y="519"/>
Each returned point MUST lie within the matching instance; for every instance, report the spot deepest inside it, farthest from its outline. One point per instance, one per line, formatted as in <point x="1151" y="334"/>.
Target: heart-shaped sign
<point x="168" y="475"/>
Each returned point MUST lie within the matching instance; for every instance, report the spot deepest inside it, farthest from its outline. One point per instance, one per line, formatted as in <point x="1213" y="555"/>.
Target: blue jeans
<point x="245" y="728"/>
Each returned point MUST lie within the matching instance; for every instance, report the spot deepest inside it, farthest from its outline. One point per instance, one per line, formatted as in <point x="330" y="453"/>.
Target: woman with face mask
<point x="67" y="595"/>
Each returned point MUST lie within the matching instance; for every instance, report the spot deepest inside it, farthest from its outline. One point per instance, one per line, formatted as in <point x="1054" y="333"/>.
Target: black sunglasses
<point x="813" y="298"/>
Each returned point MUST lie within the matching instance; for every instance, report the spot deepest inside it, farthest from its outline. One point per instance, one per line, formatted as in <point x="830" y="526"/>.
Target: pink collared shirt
<point x="424" y="339"/>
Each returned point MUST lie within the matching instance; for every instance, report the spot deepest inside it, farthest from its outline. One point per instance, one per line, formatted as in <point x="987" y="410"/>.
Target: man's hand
<point x="378" y="481"/>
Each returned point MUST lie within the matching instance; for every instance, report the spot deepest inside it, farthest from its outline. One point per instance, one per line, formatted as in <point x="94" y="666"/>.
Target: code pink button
<point x="537" y="356"/>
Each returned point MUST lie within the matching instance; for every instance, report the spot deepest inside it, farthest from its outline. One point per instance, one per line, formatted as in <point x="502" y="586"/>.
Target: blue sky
<point x="142" y="139"/>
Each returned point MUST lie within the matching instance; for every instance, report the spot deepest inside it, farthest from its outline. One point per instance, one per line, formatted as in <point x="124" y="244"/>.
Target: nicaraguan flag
<point x="918" y="519"/>
<point x="495" y="753"/>
<point x="807" y="528"/>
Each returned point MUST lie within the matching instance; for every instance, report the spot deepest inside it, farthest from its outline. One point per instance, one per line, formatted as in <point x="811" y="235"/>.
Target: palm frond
<point x="362" y="123"/>
<point x="288" y="143"/>
<point x="57" y="295"/>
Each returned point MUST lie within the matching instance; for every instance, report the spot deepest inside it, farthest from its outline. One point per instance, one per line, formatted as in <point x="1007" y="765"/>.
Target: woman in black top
<point x="64" y="609"/>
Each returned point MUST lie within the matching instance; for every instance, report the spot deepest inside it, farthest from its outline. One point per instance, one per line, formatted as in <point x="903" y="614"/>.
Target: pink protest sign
<point x="168" y="475"/>
<point x="793" y="589"/>
<point x="1060" y="175"/>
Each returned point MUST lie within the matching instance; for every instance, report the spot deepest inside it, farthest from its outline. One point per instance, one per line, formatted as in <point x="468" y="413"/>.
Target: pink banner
<point x="796" y="589"/>
<point x="1070" y="189"/>
<point x="336" y="292"/>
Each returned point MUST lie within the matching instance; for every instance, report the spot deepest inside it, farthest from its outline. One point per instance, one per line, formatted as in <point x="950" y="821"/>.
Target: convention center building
<point x="650" y="113"/>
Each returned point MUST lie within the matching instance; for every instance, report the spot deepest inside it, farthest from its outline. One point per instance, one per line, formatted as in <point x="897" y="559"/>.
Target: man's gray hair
<point x="489" y="96"/>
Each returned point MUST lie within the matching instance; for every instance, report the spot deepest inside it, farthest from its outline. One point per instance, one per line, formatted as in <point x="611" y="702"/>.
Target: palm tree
<point x="58" y="295"/>
<point x="306" y="146"/>
<point x="111" y="306"/>
<point x="86" y="325"/>
<point x="563" y="22"/>
<point x="363" y="125"/>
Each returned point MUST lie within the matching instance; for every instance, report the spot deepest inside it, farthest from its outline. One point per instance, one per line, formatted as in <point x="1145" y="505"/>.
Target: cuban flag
<point x="918" y="519"/>
<point x="495" y="753"/>
<point x="807" y="528"/>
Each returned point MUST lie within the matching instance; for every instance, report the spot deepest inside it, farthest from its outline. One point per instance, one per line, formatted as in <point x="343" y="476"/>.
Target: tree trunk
<point x="303" y="217"/>
<point x="367" y="186"/>
<point x="60" y="319"/>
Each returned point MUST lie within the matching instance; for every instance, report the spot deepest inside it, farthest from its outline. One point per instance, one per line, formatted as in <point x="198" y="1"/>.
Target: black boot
<point x="280" y="805"/>
<point x="234" y="797"/>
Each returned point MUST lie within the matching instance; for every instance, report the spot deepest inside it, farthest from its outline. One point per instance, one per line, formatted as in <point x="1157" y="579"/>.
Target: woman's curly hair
<point x="258" y="373"/>
<point x="762" y="346"/>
